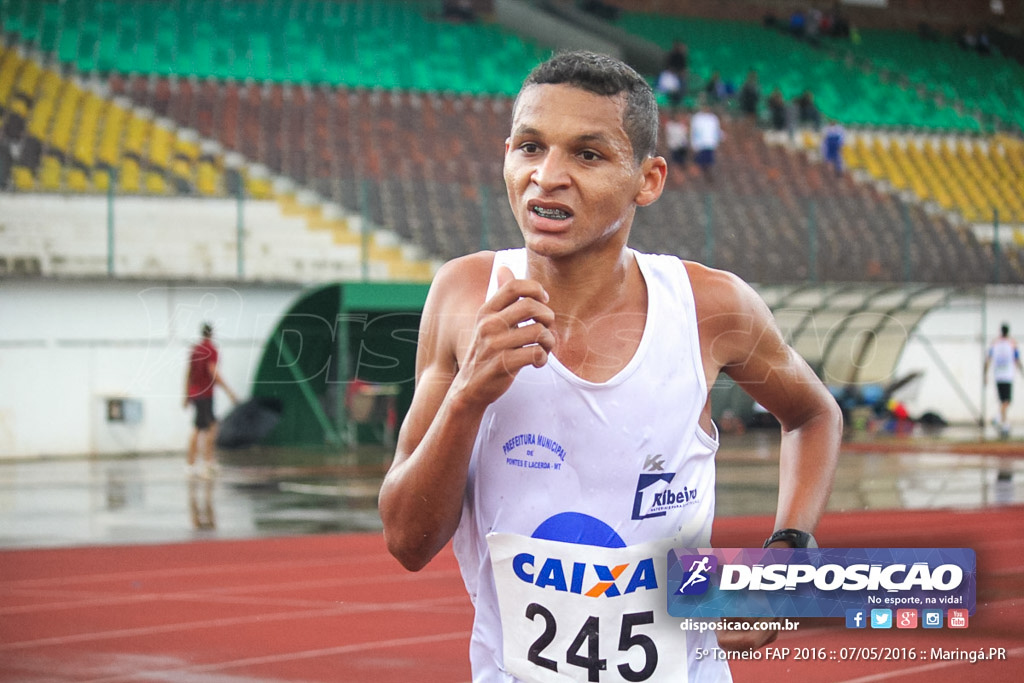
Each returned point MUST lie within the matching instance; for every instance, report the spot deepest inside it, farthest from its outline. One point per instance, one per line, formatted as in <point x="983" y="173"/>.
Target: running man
<point x="1004" y="358"/>
<point x="560" y="433"/>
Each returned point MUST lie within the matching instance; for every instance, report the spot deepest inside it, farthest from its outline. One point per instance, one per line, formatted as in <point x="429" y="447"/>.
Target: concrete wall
<point x="67" y="346"/>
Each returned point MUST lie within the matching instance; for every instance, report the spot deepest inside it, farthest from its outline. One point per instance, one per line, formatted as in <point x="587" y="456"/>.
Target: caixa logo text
<point x="591" y="580"/>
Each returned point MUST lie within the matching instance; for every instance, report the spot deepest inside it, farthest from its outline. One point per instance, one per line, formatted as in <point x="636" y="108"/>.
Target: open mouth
<point x="552" y="214"/>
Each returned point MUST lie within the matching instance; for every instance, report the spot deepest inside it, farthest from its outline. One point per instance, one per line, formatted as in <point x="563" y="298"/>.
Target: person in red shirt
<point x="200" y="380"/>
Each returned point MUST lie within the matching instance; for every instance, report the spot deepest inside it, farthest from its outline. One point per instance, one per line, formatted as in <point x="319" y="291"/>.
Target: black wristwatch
<point x="794" y="537"/>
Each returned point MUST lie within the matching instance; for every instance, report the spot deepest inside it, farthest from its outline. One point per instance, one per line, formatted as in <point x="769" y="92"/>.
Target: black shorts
<point x="204" y="412"/>
<point x="1005" y="391"/>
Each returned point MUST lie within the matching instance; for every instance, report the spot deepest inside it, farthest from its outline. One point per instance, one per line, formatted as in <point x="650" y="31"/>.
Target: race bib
<point x="585" y="613"/>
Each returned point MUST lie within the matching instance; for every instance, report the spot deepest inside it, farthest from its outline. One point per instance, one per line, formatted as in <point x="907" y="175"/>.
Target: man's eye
<point x="587" y="155"/>
<point x="529" y="147"/>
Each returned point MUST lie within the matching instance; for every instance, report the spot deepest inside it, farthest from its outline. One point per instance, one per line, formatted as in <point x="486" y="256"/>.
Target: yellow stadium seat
<point x="88" y="130"/>
<point x="155" y="183"/>
<point x="50" y="174"/>
<point x="64" y="121"/>
<point x="23" y="178"/>
<point x="28" y="79"/>
<point x="160" y="146"/>
<point x="10" y="65"/>
<point x="113" y="125"/>
<point x="77" y="180"/>
<point x="208" y="178"/>
<point x="101" y="179"/>
<point x="129" y="177"/>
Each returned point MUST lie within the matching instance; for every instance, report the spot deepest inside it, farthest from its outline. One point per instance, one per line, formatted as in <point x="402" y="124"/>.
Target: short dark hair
<point x="206" y="330"/>
<point x="607" y="76"/>
<point x="1005" y="329"/>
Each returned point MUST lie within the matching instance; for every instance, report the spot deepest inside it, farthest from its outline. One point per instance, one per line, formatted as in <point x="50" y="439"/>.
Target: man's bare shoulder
<point x="461" y="283"/>
<point x="717" y="292"/>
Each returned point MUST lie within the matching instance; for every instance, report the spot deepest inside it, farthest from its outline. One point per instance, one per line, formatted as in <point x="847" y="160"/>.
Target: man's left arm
<point x="742" y="340"/>
<point x="746" y="344"/>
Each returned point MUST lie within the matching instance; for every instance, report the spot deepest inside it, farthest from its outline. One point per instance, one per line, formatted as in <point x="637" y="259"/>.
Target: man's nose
<point x="552" y="170"/>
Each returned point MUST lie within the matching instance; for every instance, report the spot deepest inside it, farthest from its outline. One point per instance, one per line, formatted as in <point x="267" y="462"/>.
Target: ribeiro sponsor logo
<point x="654" y="495"/>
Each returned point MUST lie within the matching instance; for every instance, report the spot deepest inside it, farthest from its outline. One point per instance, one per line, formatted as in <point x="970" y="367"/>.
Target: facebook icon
<point x="856" y="618"/>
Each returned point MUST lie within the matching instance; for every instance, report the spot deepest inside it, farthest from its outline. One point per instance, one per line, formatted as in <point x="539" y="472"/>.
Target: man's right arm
<point x="421" y="497"/>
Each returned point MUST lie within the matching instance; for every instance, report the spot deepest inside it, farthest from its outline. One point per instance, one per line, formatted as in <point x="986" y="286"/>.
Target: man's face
<point x="572" y="179"/>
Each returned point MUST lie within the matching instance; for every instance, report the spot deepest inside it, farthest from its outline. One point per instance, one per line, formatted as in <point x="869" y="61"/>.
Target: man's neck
<point x="584" y="287"/>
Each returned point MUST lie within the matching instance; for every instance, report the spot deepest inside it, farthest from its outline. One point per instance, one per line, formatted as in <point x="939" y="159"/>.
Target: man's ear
<point x="654" y="169"/>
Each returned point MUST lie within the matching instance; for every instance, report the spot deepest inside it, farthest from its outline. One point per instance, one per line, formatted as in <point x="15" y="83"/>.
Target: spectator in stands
<point x="600" y="9"/>
<point x="1004" y="358"/>
<point x="459" y="10"/>
<point x="671" y="86"/>
<point x="807" y="110"/>
<point x="840" y="25"/>
<point x="705" y="136"/>
<point x="926" y="33"/>
<point x="984" y="46"/>
<point x="674" y="77"/>
<point x="677" y="138"/>
<point x="678" y="58"/>
<point x="717" y="90"/>
<point x="832" y="140"/>
<point x="777" y="110"/>
<point x="750" y="95"/>
<point x="966" y="39"/>
<point x="798" y="23"/>
<point x="812" y="30"/>
<point x="202" y="378"/>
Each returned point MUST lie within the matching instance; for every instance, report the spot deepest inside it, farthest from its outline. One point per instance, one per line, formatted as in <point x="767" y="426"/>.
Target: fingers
<point x="505" y="275"/>
<point x="510" y="289"/>
<point x="513" y="330"/>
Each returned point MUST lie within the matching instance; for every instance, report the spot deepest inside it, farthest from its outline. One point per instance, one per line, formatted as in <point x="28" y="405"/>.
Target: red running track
<point x="339" y="608"/>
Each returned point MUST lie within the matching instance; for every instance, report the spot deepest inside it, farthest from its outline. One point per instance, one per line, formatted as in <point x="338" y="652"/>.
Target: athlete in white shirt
<point x="1004" y="358"/>
<point x="561" y="415"/>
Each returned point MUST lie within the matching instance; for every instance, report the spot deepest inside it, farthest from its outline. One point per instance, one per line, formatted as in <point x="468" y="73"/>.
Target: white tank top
<point x="1004" y="354"/>
<point x="617" y="463"/>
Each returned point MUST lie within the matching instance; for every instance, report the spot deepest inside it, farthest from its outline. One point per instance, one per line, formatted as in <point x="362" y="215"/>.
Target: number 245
<point x="589" y="636"/>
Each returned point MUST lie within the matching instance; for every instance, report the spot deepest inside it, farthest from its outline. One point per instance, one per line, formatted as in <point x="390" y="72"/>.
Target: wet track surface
<point x="260" y="493"/>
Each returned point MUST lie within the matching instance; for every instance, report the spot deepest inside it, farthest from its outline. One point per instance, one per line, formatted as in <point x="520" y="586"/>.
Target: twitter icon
<point x="881" y="618"/>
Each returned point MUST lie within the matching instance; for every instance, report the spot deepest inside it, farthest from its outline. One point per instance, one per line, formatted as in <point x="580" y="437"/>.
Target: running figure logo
<point x="696" y="578"/>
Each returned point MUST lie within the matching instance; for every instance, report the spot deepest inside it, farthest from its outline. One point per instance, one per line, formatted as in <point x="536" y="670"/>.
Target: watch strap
<point x="794" y="537"/>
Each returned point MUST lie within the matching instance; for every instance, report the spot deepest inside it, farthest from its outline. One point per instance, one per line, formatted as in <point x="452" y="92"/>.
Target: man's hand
<point x="737" y="641"/>
<point x="513" y="330"/>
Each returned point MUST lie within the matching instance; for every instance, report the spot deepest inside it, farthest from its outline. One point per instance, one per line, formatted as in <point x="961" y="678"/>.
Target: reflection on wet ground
<point x="150" y="499"/>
